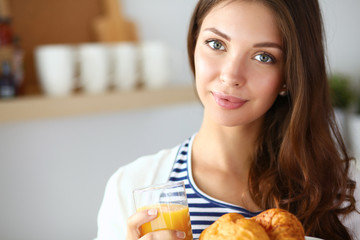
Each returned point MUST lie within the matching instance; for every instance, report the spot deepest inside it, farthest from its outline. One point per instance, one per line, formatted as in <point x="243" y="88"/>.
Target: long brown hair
<point x="301" y="162"/>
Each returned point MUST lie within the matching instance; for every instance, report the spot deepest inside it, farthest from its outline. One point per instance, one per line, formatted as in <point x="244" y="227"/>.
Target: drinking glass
<point x="171" y="203"/>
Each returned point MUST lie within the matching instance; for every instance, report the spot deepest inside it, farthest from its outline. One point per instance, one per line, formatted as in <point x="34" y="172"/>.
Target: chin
<point x="234" y="118"/>
<point x="227" y="121"/>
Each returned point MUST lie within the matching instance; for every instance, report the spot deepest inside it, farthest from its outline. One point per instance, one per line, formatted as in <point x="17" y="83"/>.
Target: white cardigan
<point x="118" y="203"/>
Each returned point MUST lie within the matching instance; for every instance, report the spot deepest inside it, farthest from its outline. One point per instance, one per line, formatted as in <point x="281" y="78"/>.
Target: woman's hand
<point x="135" y="221"/>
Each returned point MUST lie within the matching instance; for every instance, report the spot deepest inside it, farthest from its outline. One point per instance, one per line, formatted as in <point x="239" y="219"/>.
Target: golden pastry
<point x="280" y="224"/>
<point x="234" y="226"/>
<point x="272" y="224"/>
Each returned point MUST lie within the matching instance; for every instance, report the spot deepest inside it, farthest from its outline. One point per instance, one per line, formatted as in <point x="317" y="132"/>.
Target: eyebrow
<point x="221" y="34"/>
<point x="268" y="44"/>
<point x="257" y="45"/>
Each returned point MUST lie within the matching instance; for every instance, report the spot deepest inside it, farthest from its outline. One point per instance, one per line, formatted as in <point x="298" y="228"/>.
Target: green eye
<point x="265" y="58"/>
<point x="215" y="44"/>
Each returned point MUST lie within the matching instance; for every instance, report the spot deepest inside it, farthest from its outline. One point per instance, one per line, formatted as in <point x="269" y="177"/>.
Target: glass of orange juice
<point x="171" y="203"/>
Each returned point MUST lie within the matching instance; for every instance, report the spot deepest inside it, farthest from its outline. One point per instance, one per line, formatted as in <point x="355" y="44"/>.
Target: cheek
<point x="206" y="67"/>
<point x="272" y="85"/>
<point x="267" y="82"/>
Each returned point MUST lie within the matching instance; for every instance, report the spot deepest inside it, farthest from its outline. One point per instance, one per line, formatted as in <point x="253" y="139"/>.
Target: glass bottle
<point x="7" y="81"/>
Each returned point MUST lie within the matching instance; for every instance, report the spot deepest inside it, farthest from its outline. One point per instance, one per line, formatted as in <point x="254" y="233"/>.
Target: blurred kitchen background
<point x="59" y="144"/>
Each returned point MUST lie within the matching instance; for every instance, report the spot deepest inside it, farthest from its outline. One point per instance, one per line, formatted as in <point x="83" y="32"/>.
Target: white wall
<point x="53" y="172"/>
<point x="342" y="21"/>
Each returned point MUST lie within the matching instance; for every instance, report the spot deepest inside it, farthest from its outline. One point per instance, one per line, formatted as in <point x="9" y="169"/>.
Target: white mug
<point x="155" y="66"/>
<point x="125" y="57"/>
<point x="55" y="65"/>
<point x="94" y="67"/>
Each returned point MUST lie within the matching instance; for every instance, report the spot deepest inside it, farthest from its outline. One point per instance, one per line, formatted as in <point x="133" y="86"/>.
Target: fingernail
<point x="180" y="235"/>
<point x="152" y="212"/>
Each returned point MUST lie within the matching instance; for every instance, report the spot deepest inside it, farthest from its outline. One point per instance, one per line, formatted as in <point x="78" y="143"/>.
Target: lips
<point x="228" y="102"/>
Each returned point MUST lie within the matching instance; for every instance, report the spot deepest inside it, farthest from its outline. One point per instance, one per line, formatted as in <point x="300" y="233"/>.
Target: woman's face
<point x="238" y="62"/>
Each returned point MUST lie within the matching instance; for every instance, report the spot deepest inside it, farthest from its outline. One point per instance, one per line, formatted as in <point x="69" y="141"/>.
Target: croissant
<point x="233" y="226"/>
<point x="272" y="224"/>
<point x="280" y="224"/>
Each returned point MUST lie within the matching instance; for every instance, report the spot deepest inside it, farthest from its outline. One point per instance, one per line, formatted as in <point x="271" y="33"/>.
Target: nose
<point x="233" y="72"/>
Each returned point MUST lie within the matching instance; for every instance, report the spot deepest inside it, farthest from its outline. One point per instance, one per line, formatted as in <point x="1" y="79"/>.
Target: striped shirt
<point x="204" y="210"/>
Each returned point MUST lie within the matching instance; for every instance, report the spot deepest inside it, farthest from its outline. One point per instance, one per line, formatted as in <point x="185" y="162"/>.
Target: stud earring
<point x="283" y="92"/>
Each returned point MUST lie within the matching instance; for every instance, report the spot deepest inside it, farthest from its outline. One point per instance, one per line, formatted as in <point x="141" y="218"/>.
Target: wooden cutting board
<point x="113" y="26"/>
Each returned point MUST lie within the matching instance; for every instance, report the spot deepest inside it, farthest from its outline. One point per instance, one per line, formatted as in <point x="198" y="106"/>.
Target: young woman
<point x="268" y="137"/>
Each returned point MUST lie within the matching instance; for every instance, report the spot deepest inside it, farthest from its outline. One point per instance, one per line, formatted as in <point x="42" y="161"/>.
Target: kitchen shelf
<point x="42" y="107"/>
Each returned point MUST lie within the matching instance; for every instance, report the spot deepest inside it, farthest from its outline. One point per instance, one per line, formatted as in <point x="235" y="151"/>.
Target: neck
<point x="228" y="148"/>
<point x="224" y="154"/>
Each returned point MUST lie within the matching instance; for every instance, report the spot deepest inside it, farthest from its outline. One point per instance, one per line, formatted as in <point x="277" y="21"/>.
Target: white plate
<point x="312" y="238"/>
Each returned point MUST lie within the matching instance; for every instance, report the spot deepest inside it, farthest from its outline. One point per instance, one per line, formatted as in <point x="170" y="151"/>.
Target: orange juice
<point x="170" y="216"/>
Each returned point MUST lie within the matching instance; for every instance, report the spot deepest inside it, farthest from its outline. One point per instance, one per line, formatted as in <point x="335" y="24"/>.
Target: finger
<point x="164" y="235"/>
<point x="135" y="221"/>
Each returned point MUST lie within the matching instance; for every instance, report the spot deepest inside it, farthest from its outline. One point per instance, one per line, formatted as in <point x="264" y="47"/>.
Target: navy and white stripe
<point x="204" y="210"/>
